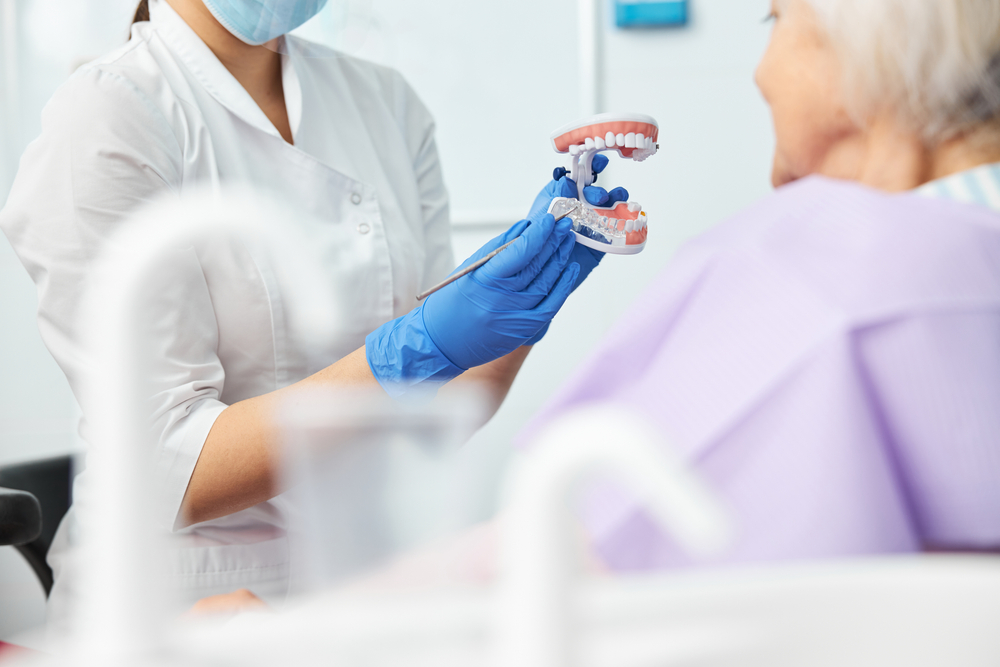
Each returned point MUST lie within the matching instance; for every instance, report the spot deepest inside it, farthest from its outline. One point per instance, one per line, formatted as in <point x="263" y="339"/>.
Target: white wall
<point x="499" y="76"/>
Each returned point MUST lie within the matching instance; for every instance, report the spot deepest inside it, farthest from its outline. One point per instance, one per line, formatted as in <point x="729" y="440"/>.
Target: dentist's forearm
<point x="493" y="379"/>
<point x="238" y="465"/>
<point x="239" y="461"/>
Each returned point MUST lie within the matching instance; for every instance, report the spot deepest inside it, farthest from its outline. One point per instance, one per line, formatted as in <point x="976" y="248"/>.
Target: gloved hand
<point x="482" y="316"/>
<point x="563" y="186"/>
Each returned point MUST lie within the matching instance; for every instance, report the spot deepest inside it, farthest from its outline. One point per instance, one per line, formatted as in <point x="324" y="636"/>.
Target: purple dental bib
<point x="829" y="362"/>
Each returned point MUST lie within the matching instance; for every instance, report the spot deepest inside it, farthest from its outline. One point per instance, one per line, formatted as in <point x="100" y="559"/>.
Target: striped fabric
<point x="975" y="186"/>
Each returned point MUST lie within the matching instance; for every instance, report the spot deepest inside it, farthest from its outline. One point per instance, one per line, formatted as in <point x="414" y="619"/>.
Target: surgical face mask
<point x="259" y="21"/>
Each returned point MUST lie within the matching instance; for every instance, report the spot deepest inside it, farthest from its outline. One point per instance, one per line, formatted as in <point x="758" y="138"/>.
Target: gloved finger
<point x="563" y="187"/>
<point x="616" y="195"/>
<point x="524" y="278"/>
<point x="599" y="162"/>
<point x="600" y="197"/>
<point x="595" y="196"/>
<point x="553" y="268"/>
<point x="587" y="258"/>
<point x="515" y="258"/>
<point x="515" y="231"/>
<point x="551" y="304"/>
<point x="567" y="187"/>
<point x="585" y="254"/>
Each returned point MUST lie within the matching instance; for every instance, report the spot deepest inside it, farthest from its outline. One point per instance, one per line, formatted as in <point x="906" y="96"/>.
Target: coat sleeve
<point x="106" y="150"/>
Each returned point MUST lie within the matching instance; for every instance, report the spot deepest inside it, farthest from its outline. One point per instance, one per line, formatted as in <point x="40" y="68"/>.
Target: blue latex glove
<point x="482" y="316"/>
<point x="564" y="186"/>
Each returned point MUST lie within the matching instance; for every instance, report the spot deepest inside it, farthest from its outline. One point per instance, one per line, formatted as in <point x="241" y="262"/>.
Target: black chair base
<point x="49" y="483"/>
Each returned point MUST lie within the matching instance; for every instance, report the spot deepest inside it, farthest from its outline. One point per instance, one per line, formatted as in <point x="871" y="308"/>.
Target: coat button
<point x="356" y="198"/>
<point x="364" y="228"/>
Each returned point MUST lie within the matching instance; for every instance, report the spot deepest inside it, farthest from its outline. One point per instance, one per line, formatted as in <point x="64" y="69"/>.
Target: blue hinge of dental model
<point x="650" y="13"/>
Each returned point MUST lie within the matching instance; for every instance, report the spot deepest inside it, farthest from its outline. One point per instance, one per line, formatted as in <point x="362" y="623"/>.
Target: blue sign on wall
<point x="649" y="13"/>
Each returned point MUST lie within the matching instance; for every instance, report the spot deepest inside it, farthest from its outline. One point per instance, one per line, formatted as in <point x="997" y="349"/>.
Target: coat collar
<point x="214" y="76"/>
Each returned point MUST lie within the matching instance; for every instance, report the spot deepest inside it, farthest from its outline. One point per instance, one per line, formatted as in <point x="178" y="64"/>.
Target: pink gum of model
<point x="579" y="135"/>
<point x="621" y="213"/>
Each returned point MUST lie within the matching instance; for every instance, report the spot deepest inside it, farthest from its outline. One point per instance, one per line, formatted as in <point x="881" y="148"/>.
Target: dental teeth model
<point x="618" y="229"/>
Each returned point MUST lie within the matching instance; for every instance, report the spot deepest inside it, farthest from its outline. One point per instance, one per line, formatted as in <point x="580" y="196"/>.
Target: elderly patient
<point x="829" y="360"/>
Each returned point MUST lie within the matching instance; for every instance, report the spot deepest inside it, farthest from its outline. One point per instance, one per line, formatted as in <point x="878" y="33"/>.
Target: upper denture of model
<point x="632" y="139"/>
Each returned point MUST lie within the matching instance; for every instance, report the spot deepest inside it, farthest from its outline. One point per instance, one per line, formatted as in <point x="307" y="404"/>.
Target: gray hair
<point x="935" y="63"/>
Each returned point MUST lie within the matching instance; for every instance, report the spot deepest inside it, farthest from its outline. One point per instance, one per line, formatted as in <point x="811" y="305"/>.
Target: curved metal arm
<point x="539" y="548"/>
<point x="121" y="596"/>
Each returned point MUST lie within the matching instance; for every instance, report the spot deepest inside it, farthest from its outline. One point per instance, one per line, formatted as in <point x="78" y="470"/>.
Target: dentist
<point x="212" y="93"/>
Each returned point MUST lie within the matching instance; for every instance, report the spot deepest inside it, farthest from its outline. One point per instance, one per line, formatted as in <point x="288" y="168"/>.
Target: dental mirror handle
<point x="478" y="263"/>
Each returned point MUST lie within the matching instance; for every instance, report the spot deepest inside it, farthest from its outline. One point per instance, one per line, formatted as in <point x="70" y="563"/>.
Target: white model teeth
<point x="643" y="146"/>
<point x="634" y="207"/>
<point x="629" y="226"/>
<point x="647" y="149"/>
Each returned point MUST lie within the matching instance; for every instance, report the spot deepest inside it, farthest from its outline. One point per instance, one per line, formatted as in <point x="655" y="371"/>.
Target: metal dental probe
<point x="475" y="265"/>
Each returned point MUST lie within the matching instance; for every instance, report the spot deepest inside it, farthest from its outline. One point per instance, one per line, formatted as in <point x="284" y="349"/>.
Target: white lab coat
<point x="163" y="115"/>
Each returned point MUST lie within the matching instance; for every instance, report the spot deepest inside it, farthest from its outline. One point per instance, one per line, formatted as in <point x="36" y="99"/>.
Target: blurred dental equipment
<point x="540" y="559"/>
<point x="121" y="563"/>
<point x="372" y="478"/>
<point x="918" y="611"/>
<point x="621" y="227"/>
<point x="481" y="262"/>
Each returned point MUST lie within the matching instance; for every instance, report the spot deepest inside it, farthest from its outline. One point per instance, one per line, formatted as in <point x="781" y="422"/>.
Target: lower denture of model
<point x="626" y="221"/>
<point x="622" y="226"/>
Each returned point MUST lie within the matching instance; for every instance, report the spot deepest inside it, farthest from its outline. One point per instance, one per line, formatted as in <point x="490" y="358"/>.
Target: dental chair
<point x="34" y="497"/>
